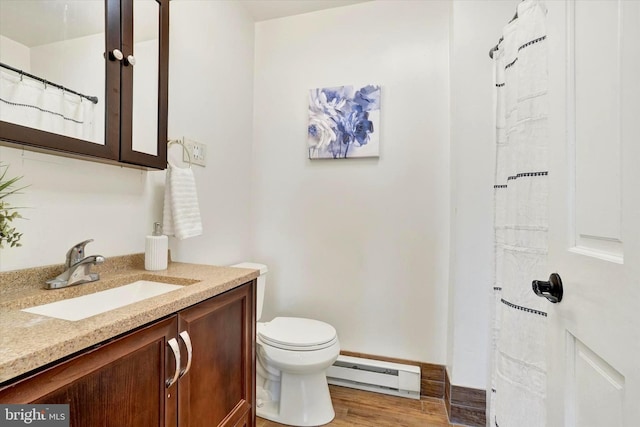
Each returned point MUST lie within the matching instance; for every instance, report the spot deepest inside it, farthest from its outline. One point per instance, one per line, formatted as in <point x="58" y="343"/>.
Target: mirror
<point x="52" y="76"/>
<point x="145" y="88"/>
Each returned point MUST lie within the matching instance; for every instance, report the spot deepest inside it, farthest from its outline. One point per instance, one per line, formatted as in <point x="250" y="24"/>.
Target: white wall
<point x="362" y="244"/>
<point x="71" y="200"/>
<point x="14" y="54"/>
<point x="210" y="101"/>
<point x="476" y="27"/>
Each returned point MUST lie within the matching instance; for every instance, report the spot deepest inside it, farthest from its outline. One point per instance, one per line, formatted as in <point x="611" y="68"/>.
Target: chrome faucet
<point x="78" y="268"/>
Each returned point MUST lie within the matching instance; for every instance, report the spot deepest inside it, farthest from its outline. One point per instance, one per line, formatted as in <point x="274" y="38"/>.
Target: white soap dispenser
<point x="156" y="249"/>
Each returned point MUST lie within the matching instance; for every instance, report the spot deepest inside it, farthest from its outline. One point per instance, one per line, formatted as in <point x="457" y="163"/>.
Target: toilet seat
<point x="297" y="334"/>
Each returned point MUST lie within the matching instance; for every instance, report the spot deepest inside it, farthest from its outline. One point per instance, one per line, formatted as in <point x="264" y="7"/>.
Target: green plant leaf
<point x="8" y="213"/>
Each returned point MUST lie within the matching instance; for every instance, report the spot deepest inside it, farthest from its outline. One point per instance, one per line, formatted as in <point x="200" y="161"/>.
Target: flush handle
<point x="551" y="290"/>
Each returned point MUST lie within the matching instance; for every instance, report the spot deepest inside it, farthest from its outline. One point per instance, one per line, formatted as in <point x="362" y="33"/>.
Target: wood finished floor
<point x="365" y="409"/>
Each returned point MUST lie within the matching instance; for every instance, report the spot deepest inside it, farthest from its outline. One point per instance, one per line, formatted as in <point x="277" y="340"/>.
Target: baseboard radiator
<point x="377" y="376"/>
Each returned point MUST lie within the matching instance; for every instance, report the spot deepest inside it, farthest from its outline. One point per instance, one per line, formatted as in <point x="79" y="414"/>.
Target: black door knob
<point x="551" y="290"/>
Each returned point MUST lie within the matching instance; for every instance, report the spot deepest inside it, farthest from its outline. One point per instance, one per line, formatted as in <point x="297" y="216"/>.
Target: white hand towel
<point x="181" y="209"/>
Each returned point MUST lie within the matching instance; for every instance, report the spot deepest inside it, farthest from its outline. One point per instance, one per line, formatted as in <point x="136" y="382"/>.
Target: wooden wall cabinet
<point x="123" y="383"/>
<point x="120" y="65"/>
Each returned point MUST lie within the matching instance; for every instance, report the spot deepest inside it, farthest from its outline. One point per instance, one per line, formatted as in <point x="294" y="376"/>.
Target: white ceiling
<point x="37" y="22"/>
<point x="262" y="10"/>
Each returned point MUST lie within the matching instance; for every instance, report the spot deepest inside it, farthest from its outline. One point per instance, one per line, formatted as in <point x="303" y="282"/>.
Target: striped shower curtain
<point x="518" y="383"/>
<point x="33" y="104"/>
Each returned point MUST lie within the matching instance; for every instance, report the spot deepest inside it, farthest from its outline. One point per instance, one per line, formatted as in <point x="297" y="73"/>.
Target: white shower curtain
<point x="518" y="383"/>
<point x="33" y="104"/>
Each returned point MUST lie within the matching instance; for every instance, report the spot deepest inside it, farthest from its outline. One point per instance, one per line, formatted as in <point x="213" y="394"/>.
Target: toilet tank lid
<point x="252" y="265"/>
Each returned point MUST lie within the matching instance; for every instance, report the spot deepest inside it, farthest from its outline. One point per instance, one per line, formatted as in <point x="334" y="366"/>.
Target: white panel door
<point x="594" y="229"/>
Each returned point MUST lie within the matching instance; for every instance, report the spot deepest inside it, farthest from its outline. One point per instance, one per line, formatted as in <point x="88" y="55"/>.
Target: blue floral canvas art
<point x="344" y="122"/>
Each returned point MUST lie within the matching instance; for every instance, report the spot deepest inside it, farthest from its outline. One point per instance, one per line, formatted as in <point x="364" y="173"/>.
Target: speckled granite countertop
<point x="29" y="341"/>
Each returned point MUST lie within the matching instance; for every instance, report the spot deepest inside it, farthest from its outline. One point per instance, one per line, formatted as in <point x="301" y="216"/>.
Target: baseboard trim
<point x="465" y="405"/>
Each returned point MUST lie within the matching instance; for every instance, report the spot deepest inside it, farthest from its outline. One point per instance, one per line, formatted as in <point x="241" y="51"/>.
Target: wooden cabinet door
<point x="147" y="107"/>
<point x="219" y="389"/>
<point x="245" y="421"/>
<point x="38" y="135"/>
<point x="119" y="384"/>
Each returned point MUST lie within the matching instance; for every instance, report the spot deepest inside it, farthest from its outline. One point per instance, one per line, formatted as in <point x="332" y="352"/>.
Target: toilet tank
<point x="262" y="279"/>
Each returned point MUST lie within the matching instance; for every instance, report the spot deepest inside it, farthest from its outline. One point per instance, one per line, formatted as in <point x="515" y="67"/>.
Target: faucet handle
<point x="76" y="253"/>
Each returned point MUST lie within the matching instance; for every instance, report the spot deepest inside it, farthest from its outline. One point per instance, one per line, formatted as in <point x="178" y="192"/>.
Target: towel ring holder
<point x="184" y="147"/>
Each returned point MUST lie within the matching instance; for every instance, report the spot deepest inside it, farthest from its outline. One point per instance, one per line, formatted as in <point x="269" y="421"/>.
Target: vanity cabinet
<point x="134" y="127"/>
<point x="123" y="383"/>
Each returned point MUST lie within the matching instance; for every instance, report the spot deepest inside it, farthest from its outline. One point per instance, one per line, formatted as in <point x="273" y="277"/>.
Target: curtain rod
<point x="93" y="99"/>
<point x="493" y="49"/>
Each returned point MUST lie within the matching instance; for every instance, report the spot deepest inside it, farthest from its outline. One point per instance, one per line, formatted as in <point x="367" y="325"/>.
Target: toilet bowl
<point x="292" y="357"/>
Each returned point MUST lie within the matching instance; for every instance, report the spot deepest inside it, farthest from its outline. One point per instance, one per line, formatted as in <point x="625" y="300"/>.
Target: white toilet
<point x="293" y="355"/>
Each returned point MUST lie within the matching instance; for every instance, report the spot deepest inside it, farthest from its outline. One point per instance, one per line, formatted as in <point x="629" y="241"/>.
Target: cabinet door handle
<point x="175" y="347"/>
<point x="131" y="60"/>
<point x="184" y="335"/>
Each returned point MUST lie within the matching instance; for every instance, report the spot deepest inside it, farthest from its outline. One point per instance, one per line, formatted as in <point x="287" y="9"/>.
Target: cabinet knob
<point x="116" y="55"/>
<point x="131" y="60"/>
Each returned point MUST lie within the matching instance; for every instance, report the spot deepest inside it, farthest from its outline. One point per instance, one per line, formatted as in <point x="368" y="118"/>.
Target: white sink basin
<point x="89" y="305"/>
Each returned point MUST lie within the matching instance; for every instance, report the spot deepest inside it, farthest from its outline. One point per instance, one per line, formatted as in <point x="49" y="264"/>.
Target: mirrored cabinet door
<point x="54" y="86"/>
<point x="144" y="81"/>
<point x="86" y="77"/>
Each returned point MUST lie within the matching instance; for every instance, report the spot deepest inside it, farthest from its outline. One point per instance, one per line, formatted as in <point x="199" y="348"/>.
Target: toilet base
<point x="304" y="401"/>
